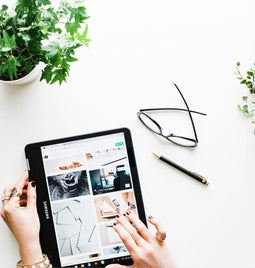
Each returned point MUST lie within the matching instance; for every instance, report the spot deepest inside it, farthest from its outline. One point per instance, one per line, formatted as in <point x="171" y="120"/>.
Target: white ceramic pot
<point x="29" y="78"/>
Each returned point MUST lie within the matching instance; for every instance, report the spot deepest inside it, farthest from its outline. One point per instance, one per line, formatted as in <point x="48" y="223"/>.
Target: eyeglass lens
<point x="154" y="126"/>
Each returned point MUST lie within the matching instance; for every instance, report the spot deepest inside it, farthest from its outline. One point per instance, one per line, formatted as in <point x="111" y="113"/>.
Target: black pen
<point x="184" y="170"/>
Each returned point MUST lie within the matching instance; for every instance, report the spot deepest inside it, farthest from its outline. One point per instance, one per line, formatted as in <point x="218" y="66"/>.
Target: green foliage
<point x="248" y="100"/>
<point x="35" y="31"/>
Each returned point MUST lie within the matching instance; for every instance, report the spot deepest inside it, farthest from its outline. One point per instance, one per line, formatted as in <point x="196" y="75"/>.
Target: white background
<point x="138" y="49"/>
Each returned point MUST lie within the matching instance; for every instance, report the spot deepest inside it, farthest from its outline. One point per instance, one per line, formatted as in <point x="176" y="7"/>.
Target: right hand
<point x="145" y="249"/>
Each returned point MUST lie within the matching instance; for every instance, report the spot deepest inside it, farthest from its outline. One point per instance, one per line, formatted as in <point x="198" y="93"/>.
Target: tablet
<point x="82" y="183"/>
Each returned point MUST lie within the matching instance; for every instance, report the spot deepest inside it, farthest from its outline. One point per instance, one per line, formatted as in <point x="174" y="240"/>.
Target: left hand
<point x="20" y="214"/>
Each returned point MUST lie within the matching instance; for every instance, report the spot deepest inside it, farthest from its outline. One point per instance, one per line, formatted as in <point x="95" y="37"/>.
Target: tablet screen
<point x="88" y="180"/>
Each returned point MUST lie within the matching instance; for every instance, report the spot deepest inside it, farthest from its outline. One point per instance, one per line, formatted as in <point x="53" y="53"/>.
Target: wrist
<point x="31" y="252"/>
<point x="43" y="263"/>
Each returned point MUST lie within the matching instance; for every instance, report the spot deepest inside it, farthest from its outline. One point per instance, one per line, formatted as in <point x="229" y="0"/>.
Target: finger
<point x="140" y="226"/>
<point x="131" y="229"/>
<point x="24" y="193"/>
<point x="14" y="200"/>
<point x="11" y="196"/>
<point x="5" y="197"/>
<point x="31" y="195"/>
<point x="19" y="185"/>
<point x="160" y="231"/>
<point x="23" y="197"/>
<point x="10" y="204"/>
<point x="22" y="182"/>
<point x="8" y="190"/>
<point x="125" y="237"/>
<point x="13" y="193"/>
<point x="23" y="202"/>
<point x="17" y="190"/>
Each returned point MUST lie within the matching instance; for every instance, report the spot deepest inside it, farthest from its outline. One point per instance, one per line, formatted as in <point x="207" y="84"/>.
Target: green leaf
<point x="59" y="75"/>
<point x="69" y="58"/>
<point x="245" y="110"/>
<point x="249" y="84"/>
<point x="45" y="2"/>
<point x="9" y="41"/>
<point x="51" y="49"/>
<point x="25" y="36"/>
<point x="12" y="69"/>
<point x="46" y="74"/>
<point x="83" y="36"/>
<point x="72" y="27"/>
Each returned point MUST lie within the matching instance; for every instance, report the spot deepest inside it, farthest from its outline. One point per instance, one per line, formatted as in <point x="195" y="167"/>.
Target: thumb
<point x="31" y="195"/>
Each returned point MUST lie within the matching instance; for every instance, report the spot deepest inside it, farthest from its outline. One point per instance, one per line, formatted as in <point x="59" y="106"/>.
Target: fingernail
<point x="115" y="223"/>
<point x="33" y="183"/>
<point x="150" y="217"/>
<point x="117" y="216"/>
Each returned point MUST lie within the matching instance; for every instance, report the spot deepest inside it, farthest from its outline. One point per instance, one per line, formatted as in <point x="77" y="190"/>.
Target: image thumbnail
<point x="115" y="250"/>
<point x="68" y="185"/>
<point x="75" y="227"/>
<point x="107" y="156"/>
<point x="108" y="179"/>
<point x="108" y="206"/>
<point x="60" y="165"/>
<point x="108" y="235"/>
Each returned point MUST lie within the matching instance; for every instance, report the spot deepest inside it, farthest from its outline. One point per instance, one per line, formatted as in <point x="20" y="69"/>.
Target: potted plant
<point x="33" y="32"/>
<point x="247" y="108"/>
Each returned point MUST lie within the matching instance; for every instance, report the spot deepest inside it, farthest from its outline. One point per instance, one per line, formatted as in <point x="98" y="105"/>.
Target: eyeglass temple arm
<point x="170" y="109"/>
<point x="192" y="122"/>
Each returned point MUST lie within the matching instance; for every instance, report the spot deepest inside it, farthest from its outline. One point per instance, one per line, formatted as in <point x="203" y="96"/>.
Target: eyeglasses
<point x="155" y="127"/>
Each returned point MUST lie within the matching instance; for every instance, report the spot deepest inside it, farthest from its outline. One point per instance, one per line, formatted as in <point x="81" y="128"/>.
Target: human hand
<point x="145" y="249"/>
<point x="20" y="214"/>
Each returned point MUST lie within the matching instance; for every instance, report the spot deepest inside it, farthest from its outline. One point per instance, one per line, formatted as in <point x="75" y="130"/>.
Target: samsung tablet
<point x="82" y="183"/>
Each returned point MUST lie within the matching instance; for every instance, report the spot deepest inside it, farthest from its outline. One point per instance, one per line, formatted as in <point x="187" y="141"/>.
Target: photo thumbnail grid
<point x="87" y="191"/>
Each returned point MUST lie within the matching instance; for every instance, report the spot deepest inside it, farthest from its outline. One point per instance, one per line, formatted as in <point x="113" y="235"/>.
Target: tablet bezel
<point x="36" y="173"/>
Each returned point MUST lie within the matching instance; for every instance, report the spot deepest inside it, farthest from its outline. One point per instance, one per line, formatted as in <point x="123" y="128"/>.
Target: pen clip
<point x="197" y="175"/>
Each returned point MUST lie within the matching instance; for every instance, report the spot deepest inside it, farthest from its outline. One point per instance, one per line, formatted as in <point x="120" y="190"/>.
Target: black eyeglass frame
<point x="160" y="132"/>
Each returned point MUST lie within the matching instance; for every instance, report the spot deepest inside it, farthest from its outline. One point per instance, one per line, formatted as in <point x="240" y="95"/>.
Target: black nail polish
<point x="115" y="223"/>
<point x="150" y="217"/>
<point x="33" y="183"/>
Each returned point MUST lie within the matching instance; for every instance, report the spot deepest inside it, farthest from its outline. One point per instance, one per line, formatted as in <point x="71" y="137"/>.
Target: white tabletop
<point x="138" y="49"/>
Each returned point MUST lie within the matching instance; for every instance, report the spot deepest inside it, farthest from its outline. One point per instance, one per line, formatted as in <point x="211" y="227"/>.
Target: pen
<point x="184" y="170"/>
